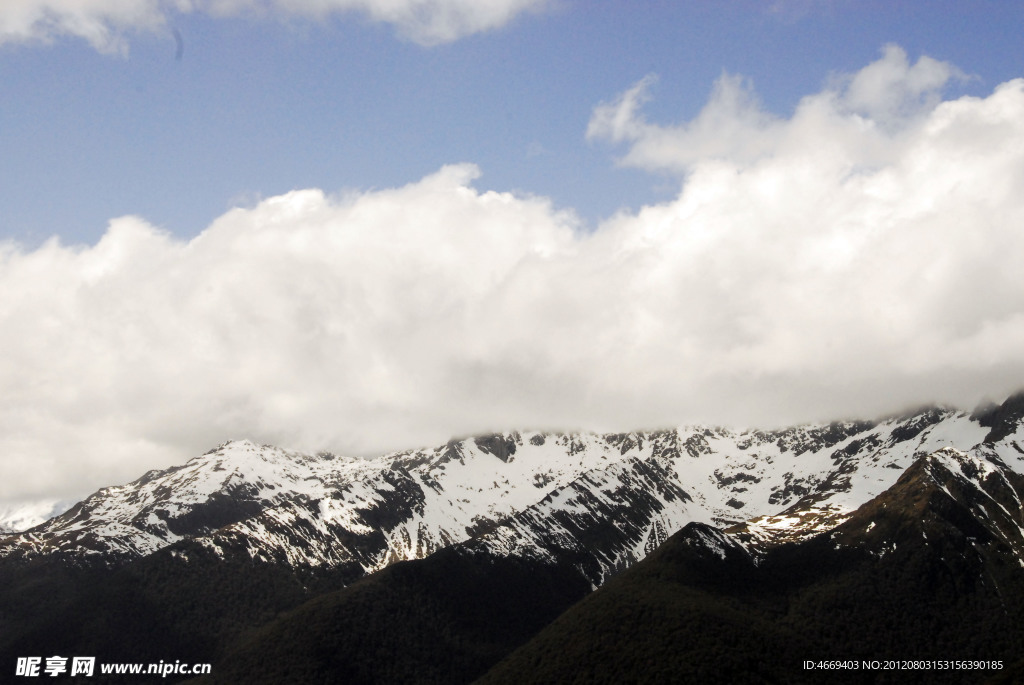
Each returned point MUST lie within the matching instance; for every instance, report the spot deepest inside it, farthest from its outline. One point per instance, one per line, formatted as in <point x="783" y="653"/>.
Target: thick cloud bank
<point x="858" y="257"/>
<point x="105" y="23"/>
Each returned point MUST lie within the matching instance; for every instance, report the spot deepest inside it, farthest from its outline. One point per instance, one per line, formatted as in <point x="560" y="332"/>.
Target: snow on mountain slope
<point x="410" y="504"/>
<point x="608" y="520"/>
<point x="856" y="471"/>
<point x="232" y="482"/>
<point x="315" y="510"/>
<point x="973" y="494"/>
<point x="599" y="502"/>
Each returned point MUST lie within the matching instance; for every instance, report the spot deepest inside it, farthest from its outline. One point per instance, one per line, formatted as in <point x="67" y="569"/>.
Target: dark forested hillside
<point x="445" y="619"/>
<point x="156" y="608"/>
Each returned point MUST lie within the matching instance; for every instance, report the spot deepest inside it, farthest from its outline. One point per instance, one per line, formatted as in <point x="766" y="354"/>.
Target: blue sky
<point x="361" y="225"/>
<point x="259" y="106"/>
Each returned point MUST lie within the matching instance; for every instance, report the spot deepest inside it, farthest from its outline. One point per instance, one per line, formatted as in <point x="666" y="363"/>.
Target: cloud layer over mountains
<point x="859" y="256"/>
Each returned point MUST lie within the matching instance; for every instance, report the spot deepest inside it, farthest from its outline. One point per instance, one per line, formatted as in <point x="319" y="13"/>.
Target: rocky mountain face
<point x="228" y="541"/>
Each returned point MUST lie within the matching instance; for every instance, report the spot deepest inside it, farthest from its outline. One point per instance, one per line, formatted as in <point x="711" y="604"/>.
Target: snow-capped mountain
<point x="598" y="502"/>
<point x="933" y="564"/>
<point x="800" y="481"/>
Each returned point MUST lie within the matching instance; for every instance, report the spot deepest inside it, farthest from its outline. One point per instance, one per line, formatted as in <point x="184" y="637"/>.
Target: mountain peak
<point x="1003" y="420"/>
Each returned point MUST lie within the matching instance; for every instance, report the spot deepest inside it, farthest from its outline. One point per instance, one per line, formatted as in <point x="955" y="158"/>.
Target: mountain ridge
<point x="605" y="500"/>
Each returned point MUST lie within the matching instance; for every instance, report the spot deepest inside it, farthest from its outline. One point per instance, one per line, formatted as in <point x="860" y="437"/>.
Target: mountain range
<point x="700" y="554"/>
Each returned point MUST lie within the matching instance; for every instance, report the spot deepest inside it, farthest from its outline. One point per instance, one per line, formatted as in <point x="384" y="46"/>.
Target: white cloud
<point x="891" y="89"/>
<point x="105" y="24"/>
<point x="863" y="109"/>
<point x="732" y="125"/>
<point x="100" y="22"/>
<point x="839" y="265"/>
